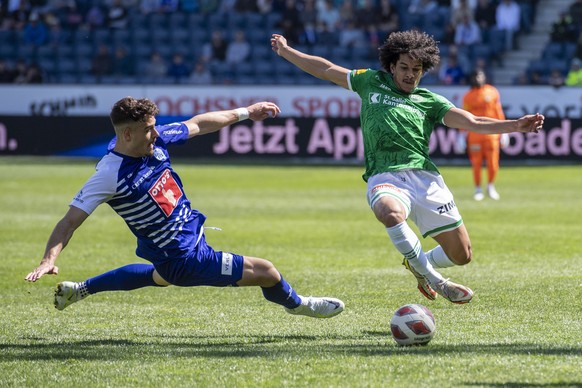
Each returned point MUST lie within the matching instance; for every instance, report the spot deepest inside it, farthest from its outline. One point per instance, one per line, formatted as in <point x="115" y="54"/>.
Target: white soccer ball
<point x="412" y="324"/>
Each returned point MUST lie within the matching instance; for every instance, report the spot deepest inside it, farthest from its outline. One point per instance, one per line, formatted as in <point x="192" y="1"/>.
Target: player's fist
<point x="278" y="42"/>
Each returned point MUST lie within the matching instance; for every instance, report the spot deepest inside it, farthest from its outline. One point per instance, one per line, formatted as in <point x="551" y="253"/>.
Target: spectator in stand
<point x="239" y="49"/>
<point x="452" y="72"/>
<point x="178" y="69"/>
<point x="215" y="50"/>
<point x="574" y="76"/>
<point x="33" y="75"/>
<point x="156" y="68"/>
<point x="57" y="36"/>
<point x="308" y="17"/>
<point x="454" y="4"/>
<point x="350" y="36"/>
<point x="578" y="50"/>
<point x="575" y="12"/>
<point x="35" y="32"/>
<point x="168" y="6"/>
<point x="556" y="79"/>
<point x="102" y="63"/>
<point x="461" y="12"/>
<point x="72" y="18"/>
<point x="329" y="17"/>
<point x="19" y="16"/>
<point x="246" y="6"/>
<point x="117" y="16"/>
<point x="147" y="7"/>
<point x="265" y="6"/>
<point x="508" y="18"/>
<point x="564" y="30"/>
<point x="208" y="6"/>
<point x="20" y="70"/>
<point x="7" y="74"/>
<point x="536" y="78"/>
<point x="422" y="7"/>
<point x="123" y="64"/>
<point x="522" y="79"/>
<point x="467" y="33"/>
<point x="95" y="17"/>
<point x="389" y="20"/>
<point x="347" y="11"/>
<point x="367" y="15"/>
<point x="200" y="74"/>
<point x="290" y="24"/>
<point x="485" y="14"/>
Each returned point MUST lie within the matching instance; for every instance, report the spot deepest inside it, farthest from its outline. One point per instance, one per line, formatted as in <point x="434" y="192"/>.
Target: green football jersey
<point x="396" y="126"/>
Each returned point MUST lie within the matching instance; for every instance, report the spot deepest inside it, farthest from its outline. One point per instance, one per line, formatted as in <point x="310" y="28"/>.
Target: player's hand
<point x="278" y="42"/>
<point x="42" y="269"/>
<point x="531" y="123"/>
<point x="263" y="110"/>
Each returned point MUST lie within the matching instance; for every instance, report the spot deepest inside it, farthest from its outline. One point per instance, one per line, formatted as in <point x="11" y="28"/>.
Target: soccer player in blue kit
<point x="136" y="179"/>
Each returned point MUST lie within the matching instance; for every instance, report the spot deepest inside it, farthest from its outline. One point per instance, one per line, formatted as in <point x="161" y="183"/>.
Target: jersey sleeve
<point x="357" y="78"/>
<point x="441" y="107"/>
<point x="174" y="133"/>
<point x="98" y="189"/>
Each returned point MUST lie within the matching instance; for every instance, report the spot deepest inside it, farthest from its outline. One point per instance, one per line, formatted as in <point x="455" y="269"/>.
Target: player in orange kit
<point x="483" y="100"/>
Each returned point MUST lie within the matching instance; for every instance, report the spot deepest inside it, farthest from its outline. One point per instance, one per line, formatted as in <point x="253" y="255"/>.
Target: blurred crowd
<point x="217" y="41"/>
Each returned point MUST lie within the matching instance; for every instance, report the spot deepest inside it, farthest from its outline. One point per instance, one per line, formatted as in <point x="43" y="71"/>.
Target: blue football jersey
<point x="148" y="194"/>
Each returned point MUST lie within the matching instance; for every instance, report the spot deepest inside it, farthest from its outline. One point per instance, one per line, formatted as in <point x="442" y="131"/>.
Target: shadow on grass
<point x="271" y="346"/>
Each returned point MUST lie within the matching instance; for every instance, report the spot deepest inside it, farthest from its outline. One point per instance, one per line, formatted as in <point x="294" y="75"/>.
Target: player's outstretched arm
<point x="213" y="121"/>
<point x="58" y="240"/>
<point x="459" y="118"/>
<point x="316" y="66"/>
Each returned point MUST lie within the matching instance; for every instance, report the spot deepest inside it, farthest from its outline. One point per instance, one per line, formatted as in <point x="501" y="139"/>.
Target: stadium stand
<point x="186" y="32"/>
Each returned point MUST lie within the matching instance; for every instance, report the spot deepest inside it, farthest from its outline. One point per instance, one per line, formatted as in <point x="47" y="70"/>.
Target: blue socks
<point x="125" y="278"/>
<point x="282" y="293"/>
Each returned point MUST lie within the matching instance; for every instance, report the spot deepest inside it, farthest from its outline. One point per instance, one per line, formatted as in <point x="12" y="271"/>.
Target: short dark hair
<point x="130" y="110"/>
<point x="419" y="45"/>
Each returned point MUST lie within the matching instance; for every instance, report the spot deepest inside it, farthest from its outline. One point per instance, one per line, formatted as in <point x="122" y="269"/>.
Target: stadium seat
<point x="553" y="50"/>
<point x="102" y="35"/>
<point x="263" y="69"/>
<point x="158" y="21"/>
<point x="121" y="38"/>
<point x="7" y="50"/>
<point x="254" y="20"/>
<point x="480" y="51"/>
<point x="178" y="20"/>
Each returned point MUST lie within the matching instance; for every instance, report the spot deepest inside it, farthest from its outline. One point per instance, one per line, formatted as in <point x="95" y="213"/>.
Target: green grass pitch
<point x="523" y="328"/>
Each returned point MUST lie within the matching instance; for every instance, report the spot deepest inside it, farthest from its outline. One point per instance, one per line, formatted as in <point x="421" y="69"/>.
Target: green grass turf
<point x="522" y="329"/>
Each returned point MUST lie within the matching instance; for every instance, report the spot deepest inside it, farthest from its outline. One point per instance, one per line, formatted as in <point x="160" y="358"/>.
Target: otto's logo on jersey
<point x="375" y="98"/>
<point x="159" y="154"/>
<point x="360" y="71"/>
<point x="166" y="192"/>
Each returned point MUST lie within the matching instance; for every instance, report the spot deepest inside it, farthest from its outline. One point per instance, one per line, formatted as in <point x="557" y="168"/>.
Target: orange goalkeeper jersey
<point x="483" y="101"/>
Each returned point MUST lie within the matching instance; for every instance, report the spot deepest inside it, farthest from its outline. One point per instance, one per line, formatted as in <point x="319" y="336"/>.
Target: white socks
<point x="438" y="258"/>
<point x="407" y="243"/>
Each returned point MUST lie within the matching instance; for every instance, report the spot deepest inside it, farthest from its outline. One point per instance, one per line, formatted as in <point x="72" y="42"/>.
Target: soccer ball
<point x="412" y="324"/>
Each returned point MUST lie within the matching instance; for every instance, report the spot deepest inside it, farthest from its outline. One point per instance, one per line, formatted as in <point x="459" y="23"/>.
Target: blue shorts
<point x="203" y="267"/>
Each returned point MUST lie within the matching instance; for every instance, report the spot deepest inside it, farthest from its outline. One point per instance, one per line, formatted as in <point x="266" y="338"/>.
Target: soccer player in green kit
<point x="397" y="118"/>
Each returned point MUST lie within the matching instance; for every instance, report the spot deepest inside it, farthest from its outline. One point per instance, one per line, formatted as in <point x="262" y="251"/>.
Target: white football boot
<point x="67" y="293"/>
<point x="318" y="307"/>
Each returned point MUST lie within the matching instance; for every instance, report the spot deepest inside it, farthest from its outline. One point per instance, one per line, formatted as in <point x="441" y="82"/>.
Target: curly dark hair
<point x="129" y="110"/>
<point x="419" y="45"/>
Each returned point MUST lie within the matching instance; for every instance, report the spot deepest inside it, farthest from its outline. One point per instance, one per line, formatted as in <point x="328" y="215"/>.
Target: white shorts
<point x="424" y="195"/>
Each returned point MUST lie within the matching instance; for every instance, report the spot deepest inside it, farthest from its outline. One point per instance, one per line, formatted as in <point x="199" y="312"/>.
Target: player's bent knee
<point x="462" y="257"/>
<point x="159" y="280"/>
